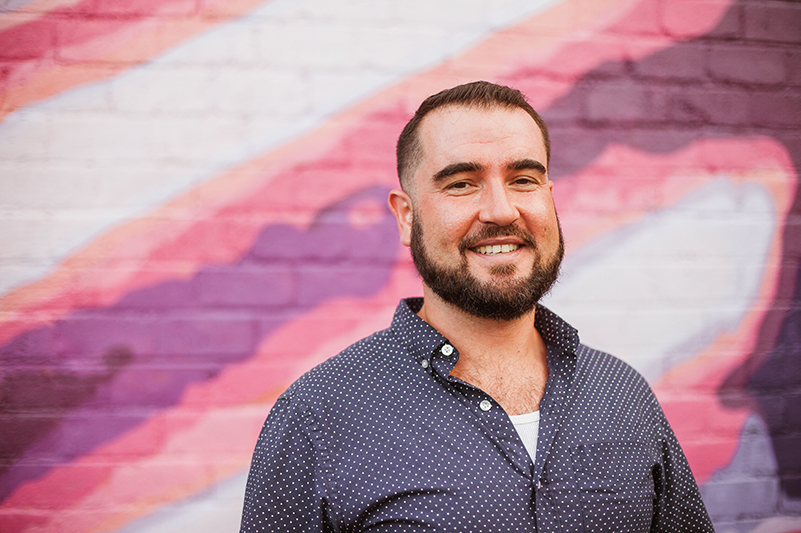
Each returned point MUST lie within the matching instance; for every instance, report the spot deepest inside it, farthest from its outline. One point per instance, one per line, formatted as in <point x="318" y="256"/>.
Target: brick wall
<point x="192" y="214"/>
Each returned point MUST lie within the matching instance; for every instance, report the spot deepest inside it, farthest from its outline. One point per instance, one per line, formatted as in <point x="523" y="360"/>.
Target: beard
<point x="505" y="298"/>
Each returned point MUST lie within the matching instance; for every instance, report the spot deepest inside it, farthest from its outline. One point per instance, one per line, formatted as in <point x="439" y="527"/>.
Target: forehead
<point x="487" y="136"/>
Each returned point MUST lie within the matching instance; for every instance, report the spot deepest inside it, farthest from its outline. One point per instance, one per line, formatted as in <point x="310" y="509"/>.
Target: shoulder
<point x="349" y="393"/>
<point x="600" y="371"/>
<point x="350" y="370"/>
<point x="602" y="364"/>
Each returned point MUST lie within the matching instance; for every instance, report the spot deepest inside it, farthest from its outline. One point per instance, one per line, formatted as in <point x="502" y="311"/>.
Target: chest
<point x="428" y="472"/>
<point x="439" y="466"/>
<point x="517" y="390"/>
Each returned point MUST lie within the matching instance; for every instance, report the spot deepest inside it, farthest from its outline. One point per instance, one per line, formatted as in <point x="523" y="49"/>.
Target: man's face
<point x="483" y="228"/>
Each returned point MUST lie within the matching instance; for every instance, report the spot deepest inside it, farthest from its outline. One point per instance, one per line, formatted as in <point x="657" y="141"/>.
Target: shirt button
<point x="447" y="349"/>
<point x="485" y="405"/>
<point x="424" y="363"/>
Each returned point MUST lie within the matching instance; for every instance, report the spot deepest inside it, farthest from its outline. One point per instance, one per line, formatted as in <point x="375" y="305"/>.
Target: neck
<point x="507" y="359"/>
<point x="477" y="335"/>
<point x="480" y="340"/>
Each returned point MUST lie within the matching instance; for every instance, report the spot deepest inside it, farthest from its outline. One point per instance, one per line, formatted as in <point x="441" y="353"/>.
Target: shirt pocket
<point x="616" y="486"/>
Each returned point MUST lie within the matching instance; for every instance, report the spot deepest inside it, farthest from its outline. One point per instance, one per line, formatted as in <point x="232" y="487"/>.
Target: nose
<point x="497" y="206"/>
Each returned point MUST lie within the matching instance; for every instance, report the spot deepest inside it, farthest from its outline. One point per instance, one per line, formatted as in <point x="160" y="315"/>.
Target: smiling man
<point x="477" y="410"/>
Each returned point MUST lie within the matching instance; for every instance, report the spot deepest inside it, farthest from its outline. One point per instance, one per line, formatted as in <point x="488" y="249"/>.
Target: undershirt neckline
<point x="528" y="428"/>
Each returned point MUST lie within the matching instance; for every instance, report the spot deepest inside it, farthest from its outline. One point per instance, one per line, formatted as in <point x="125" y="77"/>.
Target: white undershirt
<point x="528" y="427"/>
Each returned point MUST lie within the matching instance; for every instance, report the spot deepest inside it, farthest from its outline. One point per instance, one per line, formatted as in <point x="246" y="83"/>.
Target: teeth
<point x="497" y="249"/>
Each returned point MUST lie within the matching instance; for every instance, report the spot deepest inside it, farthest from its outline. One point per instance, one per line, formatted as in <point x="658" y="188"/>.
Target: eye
<point x="525" y="181"/>
<point x="460" y="187"/>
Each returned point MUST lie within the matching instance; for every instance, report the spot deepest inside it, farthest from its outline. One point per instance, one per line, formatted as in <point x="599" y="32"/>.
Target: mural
<point x="192" y="214"/>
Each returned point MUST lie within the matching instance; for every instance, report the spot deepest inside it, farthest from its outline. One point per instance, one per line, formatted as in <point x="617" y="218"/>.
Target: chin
<point x="506" y="270"/>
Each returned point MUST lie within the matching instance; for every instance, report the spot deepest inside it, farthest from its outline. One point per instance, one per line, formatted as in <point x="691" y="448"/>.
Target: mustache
<point x="489" y="232"/>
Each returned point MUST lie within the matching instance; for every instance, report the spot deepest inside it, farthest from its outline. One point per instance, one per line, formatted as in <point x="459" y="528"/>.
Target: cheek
<point x="455" y="229"/>
<point x="444" y="222"/>
<point x="543" y="222"/>
<point x="553" y="227"/>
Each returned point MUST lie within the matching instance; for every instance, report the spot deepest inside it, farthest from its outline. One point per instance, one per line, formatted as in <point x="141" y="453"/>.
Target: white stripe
<point x="660" y="290"/>
<point x="217" y="510"/>
<point x="217" y="100"/>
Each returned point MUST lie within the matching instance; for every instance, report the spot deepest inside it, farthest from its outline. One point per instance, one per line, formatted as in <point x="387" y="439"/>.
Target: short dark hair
<point x="481" y="94"/>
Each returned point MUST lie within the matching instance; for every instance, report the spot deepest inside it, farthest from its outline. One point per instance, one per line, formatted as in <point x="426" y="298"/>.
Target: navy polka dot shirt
<point x="381" y="438"/>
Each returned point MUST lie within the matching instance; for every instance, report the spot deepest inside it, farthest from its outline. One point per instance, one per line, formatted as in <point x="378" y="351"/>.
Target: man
<point x="477" y="410"/>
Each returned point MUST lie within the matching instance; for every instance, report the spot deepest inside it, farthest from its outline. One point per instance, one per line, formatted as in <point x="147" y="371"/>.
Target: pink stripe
<point x="234" y="208"/>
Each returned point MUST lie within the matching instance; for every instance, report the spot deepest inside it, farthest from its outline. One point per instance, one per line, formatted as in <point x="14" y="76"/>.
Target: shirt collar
<point x="556" y="331"/>
<point x="419" y="337"/>
<point x="423" y="341"/>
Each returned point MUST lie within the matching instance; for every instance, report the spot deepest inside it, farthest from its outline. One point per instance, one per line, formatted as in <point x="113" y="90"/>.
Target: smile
<point x="496" y="249"/>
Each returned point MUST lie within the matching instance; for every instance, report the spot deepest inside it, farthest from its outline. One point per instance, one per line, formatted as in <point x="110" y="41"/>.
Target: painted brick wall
<point x="192" y="214"/>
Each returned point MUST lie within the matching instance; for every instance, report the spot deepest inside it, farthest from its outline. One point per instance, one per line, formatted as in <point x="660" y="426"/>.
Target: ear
<point x="401" y="205"/>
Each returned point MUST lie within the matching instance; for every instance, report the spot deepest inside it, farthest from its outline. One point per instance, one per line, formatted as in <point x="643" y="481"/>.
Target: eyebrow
<point x="458" y="168"/>
<point x="527" y="164"/>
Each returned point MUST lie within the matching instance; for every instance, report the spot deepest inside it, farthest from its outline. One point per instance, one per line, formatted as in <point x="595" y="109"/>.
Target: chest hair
<point x="518" y="391"/>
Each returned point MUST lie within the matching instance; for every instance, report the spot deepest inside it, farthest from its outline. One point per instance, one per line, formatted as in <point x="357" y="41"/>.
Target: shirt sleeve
<point x="679" y="507"/>
<point x="284" y="490"/>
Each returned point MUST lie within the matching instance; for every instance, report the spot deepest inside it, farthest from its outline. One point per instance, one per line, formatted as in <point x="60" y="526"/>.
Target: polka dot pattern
<point x="382" y="438"/>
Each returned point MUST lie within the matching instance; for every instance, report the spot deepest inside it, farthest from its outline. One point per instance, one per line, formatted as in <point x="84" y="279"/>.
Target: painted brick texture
<point x="193" y="213"/>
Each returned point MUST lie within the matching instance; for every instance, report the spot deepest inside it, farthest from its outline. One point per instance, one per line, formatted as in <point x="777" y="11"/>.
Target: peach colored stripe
<point x="77" y="280"/>
<point x="42" y="78"/>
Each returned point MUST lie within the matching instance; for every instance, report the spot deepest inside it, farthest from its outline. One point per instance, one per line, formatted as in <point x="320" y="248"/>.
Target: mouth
<point x="496" y="249"/>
